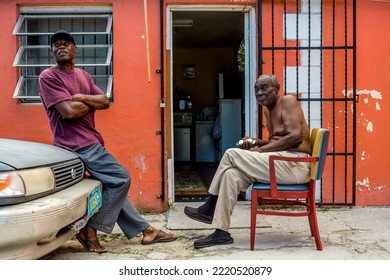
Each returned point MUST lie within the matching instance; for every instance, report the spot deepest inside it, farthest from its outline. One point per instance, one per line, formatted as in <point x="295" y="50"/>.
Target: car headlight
<point x="11" y="185"/>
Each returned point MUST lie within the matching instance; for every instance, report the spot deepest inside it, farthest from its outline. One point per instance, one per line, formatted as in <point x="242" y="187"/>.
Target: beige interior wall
<point x="208" y="62"/>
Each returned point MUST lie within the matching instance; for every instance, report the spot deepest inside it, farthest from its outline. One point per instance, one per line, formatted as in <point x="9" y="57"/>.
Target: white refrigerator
<point x="182" y="143"/>
<point x="204" y="144"/>
<point x="230" y="115"/>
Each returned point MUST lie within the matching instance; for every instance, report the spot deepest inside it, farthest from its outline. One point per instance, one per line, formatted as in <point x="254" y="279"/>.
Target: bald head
<point x="270" y="80"/>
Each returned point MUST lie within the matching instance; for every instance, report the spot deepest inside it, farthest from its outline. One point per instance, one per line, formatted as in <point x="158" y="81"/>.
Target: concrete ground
<point x="357" y="233"/>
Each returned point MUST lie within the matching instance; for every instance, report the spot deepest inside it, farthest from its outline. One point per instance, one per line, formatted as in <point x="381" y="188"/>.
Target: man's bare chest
<point x="275" y="123"/>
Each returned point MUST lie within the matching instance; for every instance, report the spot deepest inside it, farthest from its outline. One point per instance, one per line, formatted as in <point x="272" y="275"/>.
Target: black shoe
<point x="213" y="240"/>
<point x="194" y="214"/>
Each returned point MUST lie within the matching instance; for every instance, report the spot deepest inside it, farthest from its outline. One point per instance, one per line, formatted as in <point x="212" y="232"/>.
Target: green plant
<point x="241" y="56"/>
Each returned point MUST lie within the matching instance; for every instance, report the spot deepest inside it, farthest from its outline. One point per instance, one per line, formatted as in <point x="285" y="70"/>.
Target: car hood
<point x="17" y="154"/>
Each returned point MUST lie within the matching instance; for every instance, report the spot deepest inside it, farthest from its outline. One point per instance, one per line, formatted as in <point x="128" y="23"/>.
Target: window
<point x="91" y="28"/>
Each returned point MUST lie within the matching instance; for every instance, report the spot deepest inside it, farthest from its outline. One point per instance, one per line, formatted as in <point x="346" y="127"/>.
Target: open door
<point x="212" y="70"/>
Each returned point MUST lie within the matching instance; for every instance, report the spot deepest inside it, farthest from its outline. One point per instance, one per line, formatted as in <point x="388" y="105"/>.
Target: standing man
<point x="289" y="135"/>
<point x="71" y="99"/>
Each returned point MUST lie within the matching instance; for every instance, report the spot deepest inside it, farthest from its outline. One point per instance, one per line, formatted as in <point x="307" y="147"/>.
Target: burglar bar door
<point x="310" y="46"/>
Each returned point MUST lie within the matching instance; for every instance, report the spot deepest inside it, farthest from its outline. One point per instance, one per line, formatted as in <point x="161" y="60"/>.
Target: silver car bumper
<point x="31" y="230"/>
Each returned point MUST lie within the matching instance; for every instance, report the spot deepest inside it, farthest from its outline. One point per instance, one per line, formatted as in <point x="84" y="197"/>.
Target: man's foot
<point x="153" y="235"/>
<point x="219" y="237"/>
<point x="194" y="214"/>
<point x="88" y="238"/>
<point x="161" y="237"/>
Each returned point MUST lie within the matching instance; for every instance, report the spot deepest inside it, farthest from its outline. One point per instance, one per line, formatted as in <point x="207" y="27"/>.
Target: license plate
<point x="94" y="201"/>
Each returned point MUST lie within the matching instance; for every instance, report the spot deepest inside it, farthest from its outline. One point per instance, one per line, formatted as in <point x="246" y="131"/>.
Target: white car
<point x="45" y="198"/>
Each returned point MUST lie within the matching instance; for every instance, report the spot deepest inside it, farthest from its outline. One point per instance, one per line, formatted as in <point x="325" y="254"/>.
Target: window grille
<point x="311" y="46"/>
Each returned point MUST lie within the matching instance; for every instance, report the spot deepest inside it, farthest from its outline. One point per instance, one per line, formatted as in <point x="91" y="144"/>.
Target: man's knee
<point x="232" y="152"/>
<point x="123" y="177"/>
<point x="236" y="180"/>
<point x="127" y="178"/>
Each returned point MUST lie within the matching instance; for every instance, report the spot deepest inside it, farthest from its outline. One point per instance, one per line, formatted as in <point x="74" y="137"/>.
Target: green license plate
<point x="94" y="201"/>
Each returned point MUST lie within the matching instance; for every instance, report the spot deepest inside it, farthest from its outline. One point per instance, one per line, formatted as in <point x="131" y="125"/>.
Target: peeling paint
<point x="364" y="155"/>
<point x="365" y="184"/>
<point x="374" y="94"/>
<point x="347" y="93"/>
<point x="140" y="163"/>
<point x="369" y="127"/>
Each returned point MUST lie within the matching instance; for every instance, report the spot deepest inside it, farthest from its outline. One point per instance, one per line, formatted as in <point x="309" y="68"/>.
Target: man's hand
<point x="255" y="149"/>
<point x="247" y="142"/>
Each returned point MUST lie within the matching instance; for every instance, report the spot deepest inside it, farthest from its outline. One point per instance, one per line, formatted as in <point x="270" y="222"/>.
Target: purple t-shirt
<point x="55" y="86"/>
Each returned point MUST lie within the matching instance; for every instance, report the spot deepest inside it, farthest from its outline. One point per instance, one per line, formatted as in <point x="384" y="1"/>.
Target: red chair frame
<point x="288" y="194"/>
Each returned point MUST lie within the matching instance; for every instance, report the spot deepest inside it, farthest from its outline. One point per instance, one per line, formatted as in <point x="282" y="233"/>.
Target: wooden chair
<point x="292" y="194"/>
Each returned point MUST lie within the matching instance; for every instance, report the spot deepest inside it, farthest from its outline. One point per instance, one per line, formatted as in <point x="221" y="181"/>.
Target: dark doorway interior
<point x="206" y="74"/>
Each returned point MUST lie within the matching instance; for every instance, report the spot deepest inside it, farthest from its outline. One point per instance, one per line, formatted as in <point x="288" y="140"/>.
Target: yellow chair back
<point x="319" y="139"/>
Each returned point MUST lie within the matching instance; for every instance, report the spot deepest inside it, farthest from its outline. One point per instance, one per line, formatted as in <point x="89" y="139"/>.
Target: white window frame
<point x="73" y="20"/>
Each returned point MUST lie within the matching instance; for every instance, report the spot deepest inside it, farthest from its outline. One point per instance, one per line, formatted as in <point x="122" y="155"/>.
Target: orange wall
<point x="373" y="118"/>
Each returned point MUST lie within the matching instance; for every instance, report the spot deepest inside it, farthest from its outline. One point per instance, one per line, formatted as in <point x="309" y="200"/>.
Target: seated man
<point x="289" y="135"/>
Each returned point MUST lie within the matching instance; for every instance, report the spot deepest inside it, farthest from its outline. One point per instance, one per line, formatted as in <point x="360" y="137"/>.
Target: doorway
<point x="208" y="93"/>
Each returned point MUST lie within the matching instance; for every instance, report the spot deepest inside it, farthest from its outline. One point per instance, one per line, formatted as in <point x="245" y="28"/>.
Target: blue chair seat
<point x="281" y="187"/>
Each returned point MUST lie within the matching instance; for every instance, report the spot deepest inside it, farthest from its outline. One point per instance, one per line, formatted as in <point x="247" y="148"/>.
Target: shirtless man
<point x="289" y="135"/>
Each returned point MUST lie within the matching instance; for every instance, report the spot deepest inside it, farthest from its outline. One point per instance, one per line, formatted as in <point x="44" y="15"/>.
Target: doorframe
<point x="250" y="107"/>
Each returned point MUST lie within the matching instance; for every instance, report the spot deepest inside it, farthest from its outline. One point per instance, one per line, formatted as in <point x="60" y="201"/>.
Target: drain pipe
<point x="162" y="101"/>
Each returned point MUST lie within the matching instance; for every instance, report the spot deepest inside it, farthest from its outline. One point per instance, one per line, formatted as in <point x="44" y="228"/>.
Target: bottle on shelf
<point x="182" y="101"/>
<point x="189" y="103"/>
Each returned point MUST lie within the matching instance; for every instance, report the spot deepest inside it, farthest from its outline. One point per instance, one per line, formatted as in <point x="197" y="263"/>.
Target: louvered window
<point x="90" y="26"/>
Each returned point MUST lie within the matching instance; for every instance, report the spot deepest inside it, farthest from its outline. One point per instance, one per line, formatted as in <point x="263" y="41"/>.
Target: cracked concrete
<point x="357" y="233"/>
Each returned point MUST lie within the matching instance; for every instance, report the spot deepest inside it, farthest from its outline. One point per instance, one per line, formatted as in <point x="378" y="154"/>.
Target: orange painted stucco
<point x="130" y="127"/>
<point x="373" y="118"/>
